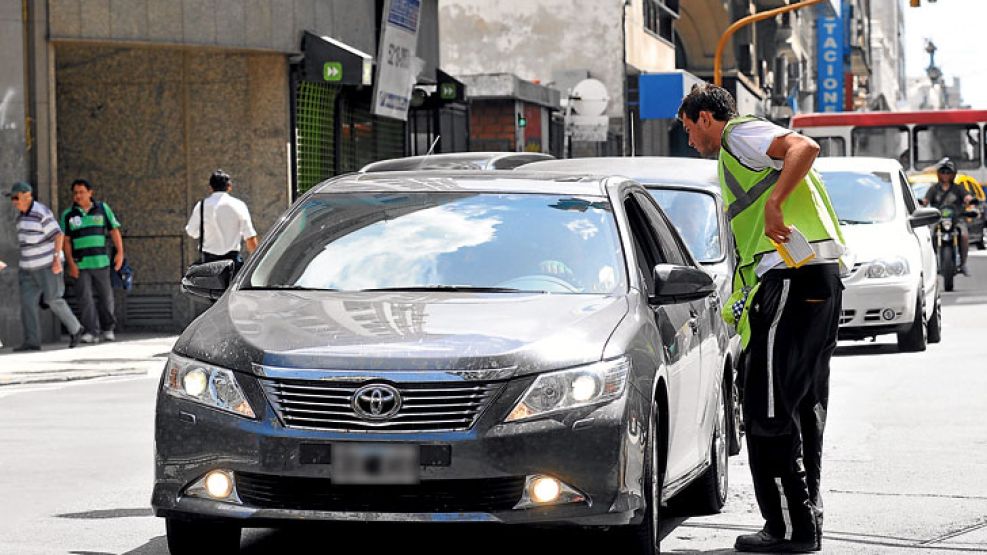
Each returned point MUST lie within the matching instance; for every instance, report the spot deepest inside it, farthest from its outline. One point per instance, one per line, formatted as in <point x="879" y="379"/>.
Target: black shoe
<point x="75" y="337"/>
<point x="763" y="542"/>
<point x="26" y="348"/>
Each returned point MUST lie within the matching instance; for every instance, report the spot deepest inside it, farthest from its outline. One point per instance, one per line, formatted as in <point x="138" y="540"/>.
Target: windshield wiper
<point x="454" y="288"/>
<point x="854" y="222"/>
<point x="287" y="288"/>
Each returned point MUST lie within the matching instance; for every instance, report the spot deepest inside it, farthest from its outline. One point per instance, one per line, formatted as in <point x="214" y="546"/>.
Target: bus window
<point x="883" y="142"/>
<point x="831" y="146"/>
<point x="960" y="142"/>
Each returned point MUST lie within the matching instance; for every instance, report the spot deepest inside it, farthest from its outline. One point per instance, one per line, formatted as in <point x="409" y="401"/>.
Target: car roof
<point x="492" y="181"/>
<point x="450" y="161"/>
<point x="857" y="163"/>
<point x="647" y="170"/>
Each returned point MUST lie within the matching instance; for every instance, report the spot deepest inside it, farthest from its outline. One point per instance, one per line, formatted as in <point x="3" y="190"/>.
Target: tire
<point x="980" y="245"/>
<point x="914" y="340"/>
<point x="195" y="537"/>
<point x="642" y="539"/>
<point x="947" y="265"/>
<point x="934" y="327"/>
<point x="708" y="494"/>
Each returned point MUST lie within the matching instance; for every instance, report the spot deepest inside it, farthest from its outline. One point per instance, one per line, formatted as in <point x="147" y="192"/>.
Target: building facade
<point x="146" y="98"/>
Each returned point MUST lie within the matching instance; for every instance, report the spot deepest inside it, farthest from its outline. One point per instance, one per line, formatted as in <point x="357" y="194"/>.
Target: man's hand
<point x="56" y="265"/>
<point x="117" y="261"/>
<point x="774" y="223"/>
<point x="73" y="270"/>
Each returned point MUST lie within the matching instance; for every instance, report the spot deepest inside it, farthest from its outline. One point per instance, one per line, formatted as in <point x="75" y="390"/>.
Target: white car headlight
<point x="206" y="384"/>
<point x="887" y="267"/>
<point x="583" y="386"/>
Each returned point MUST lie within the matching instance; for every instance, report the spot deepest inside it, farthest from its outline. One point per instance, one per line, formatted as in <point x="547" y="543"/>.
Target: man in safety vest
<point x="787" y="315"/>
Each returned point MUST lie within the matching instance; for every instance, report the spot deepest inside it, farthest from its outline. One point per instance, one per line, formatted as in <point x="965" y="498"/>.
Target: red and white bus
<point x="917" y="139"/>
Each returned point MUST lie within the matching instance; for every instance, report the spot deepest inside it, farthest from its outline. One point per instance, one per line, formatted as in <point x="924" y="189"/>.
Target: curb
<point x="60" y="376"/>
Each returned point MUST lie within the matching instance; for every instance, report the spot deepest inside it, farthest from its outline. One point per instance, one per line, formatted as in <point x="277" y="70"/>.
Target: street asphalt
<point x="905" y="464"/>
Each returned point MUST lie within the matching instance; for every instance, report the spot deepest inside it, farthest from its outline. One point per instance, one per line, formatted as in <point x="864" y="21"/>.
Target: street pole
<point x="743" y="22"/>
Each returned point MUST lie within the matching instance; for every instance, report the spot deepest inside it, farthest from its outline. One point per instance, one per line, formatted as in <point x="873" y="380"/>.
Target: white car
<point x="893" y="286"/>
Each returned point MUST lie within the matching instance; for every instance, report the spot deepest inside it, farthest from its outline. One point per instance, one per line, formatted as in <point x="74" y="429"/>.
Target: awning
<point x="330" y="61"/>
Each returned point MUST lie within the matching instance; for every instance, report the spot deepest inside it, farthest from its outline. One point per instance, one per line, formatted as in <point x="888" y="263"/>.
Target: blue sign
<point x="660" y="95"/>
<point x="829" y="31"/>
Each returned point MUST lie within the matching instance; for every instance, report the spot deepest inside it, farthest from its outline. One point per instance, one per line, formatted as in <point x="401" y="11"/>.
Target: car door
<point x="681" y="349"/>
<point x="923" y="236"/>
<point x="706" y="313"/>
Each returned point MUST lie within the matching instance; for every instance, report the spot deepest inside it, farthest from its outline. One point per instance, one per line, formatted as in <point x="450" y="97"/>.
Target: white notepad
<point x="797" y="251"/>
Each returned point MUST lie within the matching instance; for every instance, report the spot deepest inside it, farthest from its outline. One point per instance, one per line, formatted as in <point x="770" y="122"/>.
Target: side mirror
<point x="209" y="279"/>
<point x="678" y="284"/>
<point x="924" y="216"/>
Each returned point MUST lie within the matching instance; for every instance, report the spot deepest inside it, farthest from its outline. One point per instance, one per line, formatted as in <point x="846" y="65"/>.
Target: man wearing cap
<point x="220" y="222"/>
<point x="948" y="193"/>
<point x="39" y="276"/>
<point x="87" y="223"/>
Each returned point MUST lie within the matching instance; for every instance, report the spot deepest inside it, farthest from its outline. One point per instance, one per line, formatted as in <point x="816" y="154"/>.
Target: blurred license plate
<point x="368" y="463"/>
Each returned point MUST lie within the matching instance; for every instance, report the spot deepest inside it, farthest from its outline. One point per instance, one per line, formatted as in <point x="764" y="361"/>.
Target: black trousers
<point x="794" y="322"/>
<point x="94" y="292"/>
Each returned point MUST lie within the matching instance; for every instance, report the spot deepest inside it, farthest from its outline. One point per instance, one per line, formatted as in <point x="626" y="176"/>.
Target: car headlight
<point x="947" y="225"/>
<point x="887" y="267"/>
<point x="205" y="384"/>
<point x="584" y="386"/>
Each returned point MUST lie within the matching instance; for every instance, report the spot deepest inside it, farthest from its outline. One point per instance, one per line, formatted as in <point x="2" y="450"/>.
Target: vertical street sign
<point x="395" y="70"/>
<point x="829" y="97"/>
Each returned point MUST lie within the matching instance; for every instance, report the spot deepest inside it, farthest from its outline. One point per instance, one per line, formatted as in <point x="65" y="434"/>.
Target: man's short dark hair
<point x="219" y="180"/>
<point x="84" y="182"/>
<point x="710" y="98"/>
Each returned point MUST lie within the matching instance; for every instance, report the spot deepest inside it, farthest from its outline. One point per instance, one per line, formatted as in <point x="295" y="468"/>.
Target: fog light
<point x="218" y="484"/>
<point x="195" y="382"/>
<point x="889" y="314"/>
<point x="545" y="490"/>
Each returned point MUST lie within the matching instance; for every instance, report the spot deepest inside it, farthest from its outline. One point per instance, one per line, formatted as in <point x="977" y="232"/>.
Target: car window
<point x="645" y="241"/>
<point x="695" y="216"/>
<point x="906" y="191"/>
<point x="668" y="241"/>
<point x="530" y="242"/>
<point x="860" y="197"/>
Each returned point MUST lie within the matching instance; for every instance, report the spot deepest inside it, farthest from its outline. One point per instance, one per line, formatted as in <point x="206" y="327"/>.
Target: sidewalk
<point x="130" y="354"/>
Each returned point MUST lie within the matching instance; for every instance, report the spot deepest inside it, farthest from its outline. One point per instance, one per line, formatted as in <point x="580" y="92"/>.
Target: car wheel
<point x="642" y="539"/>
<point x="947" y="265"/>
<point x="935" y="323"/>
<point x="914" y="340"/>
<point x="980" y="245"/>
<point x="708" y="493"/>
<point x="194" y="537"/>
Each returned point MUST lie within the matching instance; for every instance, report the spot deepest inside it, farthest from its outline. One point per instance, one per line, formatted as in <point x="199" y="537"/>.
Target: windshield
<point x="694" y="216"/>
<point x="860" y="197"/>
<point x="446" y="241"/>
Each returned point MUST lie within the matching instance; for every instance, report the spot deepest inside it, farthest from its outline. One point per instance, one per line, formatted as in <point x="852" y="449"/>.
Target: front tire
<point x="947" y="264"/>
<point x="193" y="537"/>
<point x="914" y="340"/>
<point x="642" y="539"/>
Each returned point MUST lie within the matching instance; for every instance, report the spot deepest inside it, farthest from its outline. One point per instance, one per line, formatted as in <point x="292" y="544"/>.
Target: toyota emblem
<point x="376" y="402"/>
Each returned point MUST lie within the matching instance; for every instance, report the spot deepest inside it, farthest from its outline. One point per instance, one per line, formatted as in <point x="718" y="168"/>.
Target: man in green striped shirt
<point x="86" y="224"/>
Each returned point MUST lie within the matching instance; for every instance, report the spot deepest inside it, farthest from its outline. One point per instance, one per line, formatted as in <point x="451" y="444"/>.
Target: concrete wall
<point x="14" y="163"/>
<point x="147" y="125"/>
<point x="645" y="51"/>
<point x="533" y="40"/>
<point x="243" y="24"/>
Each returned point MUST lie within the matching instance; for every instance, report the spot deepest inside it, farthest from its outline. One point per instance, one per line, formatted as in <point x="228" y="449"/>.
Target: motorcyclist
<point x="949" y="194"/>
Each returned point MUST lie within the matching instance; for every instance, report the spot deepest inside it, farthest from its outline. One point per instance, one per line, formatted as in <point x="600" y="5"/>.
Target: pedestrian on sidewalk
<point x="40" y="273"/>
<point x="86" y="224"/>
<point x="787" y="316"/>
<point x="220" y="222"/>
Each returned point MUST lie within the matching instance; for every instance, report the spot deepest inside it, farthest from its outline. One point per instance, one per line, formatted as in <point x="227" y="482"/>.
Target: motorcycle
<point x="946" y="242"/>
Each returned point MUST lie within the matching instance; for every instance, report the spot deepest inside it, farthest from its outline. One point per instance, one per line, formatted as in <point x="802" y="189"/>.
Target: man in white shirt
<point x="221" y="222"/>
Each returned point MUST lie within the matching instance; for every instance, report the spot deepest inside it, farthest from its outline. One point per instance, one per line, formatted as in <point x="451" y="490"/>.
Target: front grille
<point x="847" y="316"/>
<point x="426" y="407"/>
<point x="429" y="496"/>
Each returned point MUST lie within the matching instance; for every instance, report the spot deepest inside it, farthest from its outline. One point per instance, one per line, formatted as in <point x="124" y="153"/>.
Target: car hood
<point x="866" y="242"/>
<point x="402" y="331"/>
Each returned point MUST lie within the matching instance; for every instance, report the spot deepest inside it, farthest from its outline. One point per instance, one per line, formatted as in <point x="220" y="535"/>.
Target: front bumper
<point x="877" y="306"/>
<point x="598" y="451"/>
